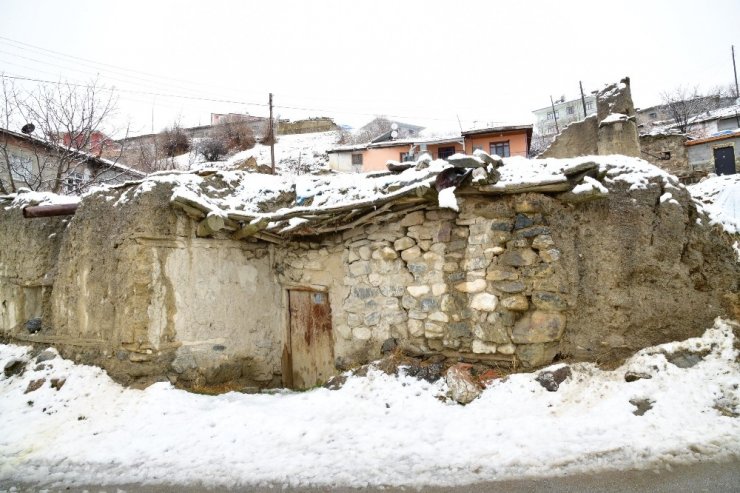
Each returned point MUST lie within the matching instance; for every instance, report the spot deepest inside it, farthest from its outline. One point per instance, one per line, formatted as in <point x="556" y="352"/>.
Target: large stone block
<point x="484" y="302"/>
<point x="403" y="243"/>
<point x="519" y="258"/>
<point x="548" y="301"/>
<point x="532" y="355"/>
<point x="538" y="327"/>
<point x="492" y="332"/>
<point x="472" y="286"/>
<point x="413" y="219"/>
<point x="516" y="303"/>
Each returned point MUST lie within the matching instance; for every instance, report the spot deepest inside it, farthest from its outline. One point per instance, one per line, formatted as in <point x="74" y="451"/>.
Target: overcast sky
<point x="430" y="62"/>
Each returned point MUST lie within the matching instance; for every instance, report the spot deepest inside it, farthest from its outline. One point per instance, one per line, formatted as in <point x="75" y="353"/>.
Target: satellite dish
<point x="28" y="128"/>
<point x="394" y="126"/>
<point x="394" y="134"/>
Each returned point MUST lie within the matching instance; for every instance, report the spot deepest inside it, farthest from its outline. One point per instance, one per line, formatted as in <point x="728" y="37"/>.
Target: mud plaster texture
<point x="515" y="280"/>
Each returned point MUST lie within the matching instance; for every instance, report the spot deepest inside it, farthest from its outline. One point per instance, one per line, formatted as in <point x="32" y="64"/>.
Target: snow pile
<point x="375" y="430"/>
<point x="719" y="197"/>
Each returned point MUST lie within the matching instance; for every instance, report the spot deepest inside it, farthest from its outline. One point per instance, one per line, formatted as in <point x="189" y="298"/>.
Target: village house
<point x="222" y="280"/>
<point x="504" y="141"/>
<point x="716" y="154"/>
<point x="30" y="162"/>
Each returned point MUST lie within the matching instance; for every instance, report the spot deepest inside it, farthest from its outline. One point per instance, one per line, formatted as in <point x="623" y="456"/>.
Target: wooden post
<point x="272" y="139"/>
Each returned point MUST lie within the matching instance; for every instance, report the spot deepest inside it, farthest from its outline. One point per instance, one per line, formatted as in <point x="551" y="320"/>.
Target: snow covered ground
<point x="375" y="430"/>
<point x="719" y="196"/>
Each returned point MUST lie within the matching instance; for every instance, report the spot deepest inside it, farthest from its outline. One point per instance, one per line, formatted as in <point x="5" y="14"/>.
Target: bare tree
<point x="174" y="141"/>
<point x="235" y="133"/>
<point x="69" y="130"/>
<point x="684" y="104"/>
<point x="212" y="149"/>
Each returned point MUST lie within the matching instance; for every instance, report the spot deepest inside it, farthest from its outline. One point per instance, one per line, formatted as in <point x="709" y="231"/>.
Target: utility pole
<point x="734" y="69"/>
<point x="737" y="92"/>
<point x="272" y="139"/>
<point x="583" y="100"/>
<point x="554" y="114"/>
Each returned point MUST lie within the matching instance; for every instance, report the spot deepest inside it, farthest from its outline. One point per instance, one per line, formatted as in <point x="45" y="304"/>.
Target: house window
<point x="445" y="152"/>
<point x="406" y="156"/>
<point x="21" y="167"/>
<point x="357" y="159"/>
<point x="653" y="115"/>
<point x="570" y="110"/>
<point x="550" y="113"/>
<point x="589" y="105"/>
<point x="500" y="148"/>
<point x="73" y="182"/>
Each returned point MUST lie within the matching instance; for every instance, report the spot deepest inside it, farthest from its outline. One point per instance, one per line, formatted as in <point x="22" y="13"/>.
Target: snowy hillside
<point x="294" y="154"/>
<point x="66" y="424"/>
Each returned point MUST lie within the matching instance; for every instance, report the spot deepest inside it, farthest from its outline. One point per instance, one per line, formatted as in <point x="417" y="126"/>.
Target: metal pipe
<point x="49" y="210"/>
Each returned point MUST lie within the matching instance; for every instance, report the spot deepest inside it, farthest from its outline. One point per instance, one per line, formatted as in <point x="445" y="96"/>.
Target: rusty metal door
<point x="310" y="350"/>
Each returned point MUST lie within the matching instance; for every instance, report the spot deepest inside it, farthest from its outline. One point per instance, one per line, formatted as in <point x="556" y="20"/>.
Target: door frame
<point x="286" y="362"/>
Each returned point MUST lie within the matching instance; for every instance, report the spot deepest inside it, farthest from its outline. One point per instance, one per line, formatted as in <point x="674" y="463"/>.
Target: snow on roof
<point x="94" y="431"/>
<point x="718" y="114"/>
<point x="92" y="158"/>
<point x="719" y="197"/>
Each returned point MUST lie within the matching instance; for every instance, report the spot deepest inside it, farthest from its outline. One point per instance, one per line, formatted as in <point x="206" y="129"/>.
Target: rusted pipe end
<point x="49" y="210"/>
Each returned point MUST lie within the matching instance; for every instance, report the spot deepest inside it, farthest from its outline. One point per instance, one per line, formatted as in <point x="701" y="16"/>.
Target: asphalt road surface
<point x="703" y="477"/>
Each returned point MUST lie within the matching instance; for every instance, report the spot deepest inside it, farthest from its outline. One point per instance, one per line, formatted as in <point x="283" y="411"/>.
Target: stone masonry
<point x="486" y="283"/>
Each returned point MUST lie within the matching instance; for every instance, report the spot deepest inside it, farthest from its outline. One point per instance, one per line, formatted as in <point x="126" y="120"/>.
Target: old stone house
<point x="226" y="279"/>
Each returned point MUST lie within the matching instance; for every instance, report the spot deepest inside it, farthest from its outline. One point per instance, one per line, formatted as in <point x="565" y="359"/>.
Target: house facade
<point x="155" y="280"/>
<point x="504" y="141"/>
<point x="564" y="113"/>
<point x="718" y="154"/>
<point x="30" y="162"/>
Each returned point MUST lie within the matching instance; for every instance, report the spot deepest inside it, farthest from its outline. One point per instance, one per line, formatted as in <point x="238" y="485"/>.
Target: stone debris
<point x="34" y="385"/>
<point x="685" y="359"/>
<point x="14" y="367"/>
<point x="46" y="355"/>
<point x="633" y="376"/>
<point x="642" y="405"/>
<point x="551" y="380"/>
<point x="464" y="388"/>
<point x="57" y="383"/>
<point x="33" y="325"/>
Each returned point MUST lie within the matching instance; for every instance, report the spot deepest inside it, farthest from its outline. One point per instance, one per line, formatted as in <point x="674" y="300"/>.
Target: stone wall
<point x="511" y="279"/>
<point x="519" y="280"/>
<point x="28" y="256"/>
<point x="666" y="151"/>
<point x="127" y="285"/>
<point x="306" y="126"/>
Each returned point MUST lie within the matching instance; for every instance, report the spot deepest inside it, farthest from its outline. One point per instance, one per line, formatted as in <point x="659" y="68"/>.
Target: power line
<point x="227" y="101"/>
<point x="34" y="48"/>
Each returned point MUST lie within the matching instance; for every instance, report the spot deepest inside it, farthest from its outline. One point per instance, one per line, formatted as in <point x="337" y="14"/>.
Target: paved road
<point x="705" y="477"/>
